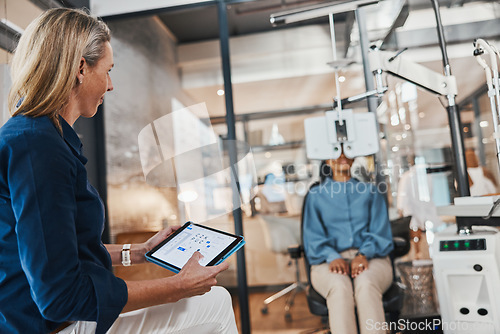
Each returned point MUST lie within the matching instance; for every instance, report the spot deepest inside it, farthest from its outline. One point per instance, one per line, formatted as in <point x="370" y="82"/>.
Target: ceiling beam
<point x="130" y="8"/>
<point x="47" y="4"/>
<point x="349" y="24"/>
<point x="400" y="20"/>
<point x="458" y="33"/>
<point x="75" y="3"/>
<point x="323" y="9"/>
<point x="273" y="114"/>
<point x="9" y="37"/>
<point x="426" y="4"/>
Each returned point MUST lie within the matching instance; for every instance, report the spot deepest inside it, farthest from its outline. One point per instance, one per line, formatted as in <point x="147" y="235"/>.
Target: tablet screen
<point x="178" y="248"/>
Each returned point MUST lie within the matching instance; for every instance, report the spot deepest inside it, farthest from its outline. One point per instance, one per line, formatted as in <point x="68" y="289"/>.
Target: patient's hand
<point x="339" y="266"/>
<point x="358" y="265"/>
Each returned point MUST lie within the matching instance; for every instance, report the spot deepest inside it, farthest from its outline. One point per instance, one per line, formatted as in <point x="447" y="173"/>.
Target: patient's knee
<point x="364" y="286"/>
<point x="340" y="287"/>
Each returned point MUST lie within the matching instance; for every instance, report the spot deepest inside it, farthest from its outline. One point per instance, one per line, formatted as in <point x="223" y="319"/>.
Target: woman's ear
<point x="81" y="70"/>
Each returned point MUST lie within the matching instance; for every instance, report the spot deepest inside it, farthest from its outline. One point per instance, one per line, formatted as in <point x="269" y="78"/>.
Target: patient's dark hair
<point x="325" y="171"/>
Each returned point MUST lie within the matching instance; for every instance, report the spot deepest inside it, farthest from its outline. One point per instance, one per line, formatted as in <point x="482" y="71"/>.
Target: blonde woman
<point x="55" y="274"/>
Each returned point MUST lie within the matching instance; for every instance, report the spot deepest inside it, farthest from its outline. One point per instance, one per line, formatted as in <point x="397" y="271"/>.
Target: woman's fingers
<point x="339" y="266"/>
<point x="358" y="266"/>
<point x="199" y="279"/>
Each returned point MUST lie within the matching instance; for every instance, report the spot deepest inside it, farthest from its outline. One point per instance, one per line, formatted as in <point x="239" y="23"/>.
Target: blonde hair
<point x="47" y="59"/>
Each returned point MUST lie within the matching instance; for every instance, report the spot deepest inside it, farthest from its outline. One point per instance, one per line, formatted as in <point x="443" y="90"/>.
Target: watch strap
<point x="359" y="253"/>
<point x="126" y="258"/>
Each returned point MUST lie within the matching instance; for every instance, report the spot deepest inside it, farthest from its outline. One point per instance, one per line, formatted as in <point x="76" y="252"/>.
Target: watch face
<point x="126" y="255"/>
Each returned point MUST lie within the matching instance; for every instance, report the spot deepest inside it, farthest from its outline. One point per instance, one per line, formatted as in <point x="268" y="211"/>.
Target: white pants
<point x="207" y="314"/>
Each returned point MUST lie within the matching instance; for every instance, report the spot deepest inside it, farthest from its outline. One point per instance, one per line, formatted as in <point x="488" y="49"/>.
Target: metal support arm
<point x="384" y="61"/>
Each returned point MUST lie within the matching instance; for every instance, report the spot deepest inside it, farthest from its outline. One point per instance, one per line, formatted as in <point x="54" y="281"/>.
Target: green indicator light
<point x="467" y="244"/>
<point x="456" y="244"/>
<point x="445" y="246"/>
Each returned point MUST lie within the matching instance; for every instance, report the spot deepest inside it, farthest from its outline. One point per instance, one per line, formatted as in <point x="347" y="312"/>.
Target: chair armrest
<point x="295" y="251"/>
<point x="401" y="246"/>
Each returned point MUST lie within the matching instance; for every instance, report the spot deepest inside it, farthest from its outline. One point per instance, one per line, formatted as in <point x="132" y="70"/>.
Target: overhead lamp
<point x="187" y="196"/>
<point x="311" y="12"/>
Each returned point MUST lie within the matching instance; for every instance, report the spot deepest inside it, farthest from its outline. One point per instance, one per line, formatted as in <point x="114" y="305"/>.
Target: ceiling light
<point x="483" y="124"/>
<point x="220" y="92"/>
<point x="341" y="78"/>
<point x="187" y="196"/>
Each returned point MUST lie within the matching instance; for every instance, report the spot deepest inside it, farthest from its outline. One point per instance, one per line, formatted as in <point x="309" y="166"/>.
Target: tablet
<point x="177" y="249"/>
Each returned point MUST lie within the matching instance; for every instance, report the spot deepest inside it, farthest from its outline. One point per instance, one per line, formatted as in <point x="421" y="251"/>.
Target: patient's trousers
<point x="343" y="294"/>
<point x="207" y="314"/>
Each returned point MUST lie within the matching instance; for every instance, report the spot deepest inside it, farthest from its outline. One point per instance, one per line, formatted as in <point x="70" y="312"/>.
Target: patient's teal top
<point x="342" y="215"/>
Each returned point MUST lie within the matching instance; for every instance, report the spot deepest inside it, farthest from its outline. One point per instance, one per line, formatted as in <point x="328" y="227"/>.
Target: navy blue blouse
<point x="53" y="265"/>
<point x="343" y="215"/>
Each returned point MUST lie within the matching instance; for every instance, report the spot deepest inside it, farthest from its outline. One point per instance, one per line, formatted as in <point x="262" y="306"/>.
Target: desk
<point x="466" y="210"/>
<point x="471" y="215"/>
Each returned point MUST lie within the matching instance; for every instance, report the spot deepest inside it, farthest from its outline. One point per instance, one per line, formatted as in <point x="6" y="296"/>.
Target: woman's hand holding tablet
<point x="214" y="245"/>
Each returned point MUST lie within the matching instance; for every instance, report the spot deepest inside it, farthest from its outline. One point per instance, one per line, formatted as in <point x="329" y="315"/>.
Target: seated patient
<point x="347" y="239"/>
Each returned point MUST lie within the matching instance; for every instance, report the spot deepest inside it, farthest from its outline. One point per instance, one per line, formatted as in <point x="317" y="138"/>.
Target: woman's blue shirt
<point x="53" y="265"/>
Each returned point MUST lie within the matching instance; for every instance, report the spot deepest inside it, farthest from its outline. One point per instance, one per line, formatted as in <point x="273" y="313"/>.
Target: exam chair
<point x="282" y="235"/>
<point x="392" y="298"/>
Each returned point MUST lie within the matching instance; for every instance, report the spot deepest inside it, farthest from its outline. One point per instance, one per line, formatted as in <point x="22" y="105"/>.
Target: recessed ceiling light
<point x="341" y="78"/>
<point x="220" y="92"/>
<point x="187" y="196"/>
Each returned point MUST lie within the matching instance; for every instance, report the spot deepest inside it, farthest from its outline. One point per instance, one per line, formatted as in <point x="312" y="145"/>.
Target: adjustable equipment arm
<point x="384" y="61"/>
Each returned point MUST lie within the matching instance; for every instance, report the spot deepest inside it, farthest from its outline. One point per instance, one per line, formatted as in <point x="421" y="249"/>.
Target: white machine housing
<point x="467" y="278"/>
<point x="357" y="131"/>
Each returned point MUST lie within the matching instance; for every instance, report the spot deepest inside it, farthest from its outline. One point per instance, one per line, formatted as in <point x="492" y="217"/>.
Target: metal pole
<point x="453" y="116"/>
<point x="372" y="100"/>
<point x="233" y="157"/>
<point x="479" y="132"/>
